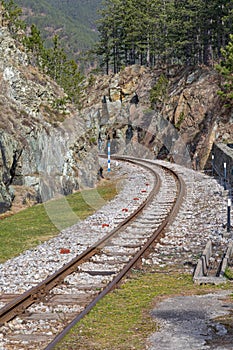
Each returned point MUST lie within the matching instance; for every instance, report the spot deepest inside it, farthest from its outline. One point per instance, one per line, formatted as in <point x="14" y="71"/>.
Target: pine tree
<point x="71" y="81"/>
<point x="163" y="31"/>
<point x="56" y="58"/>
<point x="11" y="16"/>
<point x="35" y="47"/>
<point x="225" y="68"/>
<point x="52" y="61"/>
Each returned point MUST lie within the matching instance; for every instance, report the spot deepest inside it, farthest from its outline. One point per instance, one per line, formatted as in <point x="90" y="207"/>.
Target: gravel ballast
<point x="185" y="322"/>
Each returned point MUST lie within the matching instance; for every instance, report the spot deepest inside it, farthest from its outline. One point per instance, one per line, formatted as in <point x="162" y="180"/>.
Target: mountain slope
<point x="41" y="146"/>
<point x="73" y="20"/>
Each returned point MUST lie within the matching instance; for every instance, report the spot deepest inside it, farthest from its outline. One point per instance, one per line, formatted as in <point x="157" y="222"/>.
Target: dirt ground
<point x="197" y="322"/>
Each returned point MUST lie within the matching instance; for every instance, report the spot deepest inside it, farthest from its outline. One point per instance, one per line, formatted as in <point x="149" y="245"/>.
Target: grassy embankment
<point x="122" y="320"/>
<point x="31" y="226"/>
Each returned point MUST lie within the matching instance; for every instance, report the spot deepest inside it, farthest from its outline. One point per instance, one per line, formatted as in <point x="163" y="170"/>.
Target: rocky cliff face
<point x="179" y="114"/>
<point x="45" y="150"/>
<point x="174" y="114"/>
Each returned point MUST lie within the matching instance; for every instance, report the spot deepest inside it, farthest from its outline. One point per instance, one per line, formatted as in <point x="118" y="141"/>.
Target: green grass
<point x="36" y="224"/>
<point x="122" y="321"/>
<point x="229" y="273"/>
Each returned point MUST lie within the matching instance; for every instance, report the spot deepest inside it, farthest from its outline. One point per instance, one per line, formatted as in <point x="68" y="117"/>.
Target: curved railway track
<point x="41" y="316"/>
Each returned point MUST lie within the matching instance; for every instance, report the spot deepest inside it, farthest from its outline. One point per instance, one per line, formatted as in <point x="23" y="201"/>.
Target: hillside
<point x="42" y="147"/>
<point x="178" y="117"/>
<point x="73" y="20"/>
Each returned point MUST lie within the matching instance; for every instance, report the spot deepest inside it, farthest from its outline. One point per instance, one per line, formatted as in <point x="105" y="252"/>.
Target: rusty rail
<point x="181" y="191"/>
<point x="19" y="305"/>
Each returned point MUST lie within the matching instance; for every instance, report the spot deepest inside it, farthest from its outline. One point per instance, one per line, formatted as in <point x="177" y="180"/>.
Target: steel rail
<point x="181" y="191"/>
<point x="21" y="303"/>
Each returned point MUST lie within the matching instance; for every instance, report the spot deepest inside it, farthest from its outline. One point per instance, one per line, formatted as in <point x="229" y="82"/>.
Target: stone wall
<point x="223" y="154"/>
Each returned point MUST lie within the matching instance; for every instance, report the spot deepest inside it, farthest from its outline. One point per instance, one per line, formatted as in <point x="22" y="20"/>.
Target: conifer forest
<point x="162" y="32"/>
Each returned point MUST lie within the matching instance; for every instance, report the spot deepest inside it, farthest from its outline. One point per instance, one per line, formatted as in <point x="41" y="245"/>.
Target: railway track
<point x="41" y="316"/>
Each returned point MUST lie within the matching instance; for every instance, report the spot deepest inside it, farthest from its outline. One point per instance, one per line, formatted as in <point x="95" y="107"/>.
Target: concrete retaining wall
<point x="223" y="154"/>
<point x="201" y="272"/>
<point x="203" y="263"/>
<point x="226" y="259"/>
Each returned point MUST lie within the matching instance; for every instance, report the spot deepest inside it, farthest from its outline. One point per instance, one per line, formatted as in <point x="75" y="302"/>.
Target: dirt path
<point x="194" y="323"/>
